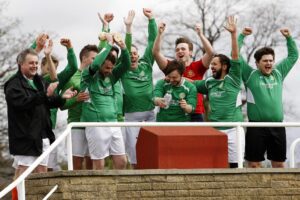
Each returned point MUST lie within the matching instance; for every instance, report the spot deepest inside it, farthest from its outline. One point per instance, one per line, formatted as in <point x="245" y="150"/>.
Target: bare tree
<point x="266" y="21"/>
<point x="211" y="14"/>
<point x="11" y="42"/>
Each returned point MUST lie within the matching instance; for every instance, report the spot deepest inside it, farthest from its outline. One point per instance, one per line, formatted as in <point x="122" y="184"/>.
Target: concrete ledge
<point x="163" y="172"/>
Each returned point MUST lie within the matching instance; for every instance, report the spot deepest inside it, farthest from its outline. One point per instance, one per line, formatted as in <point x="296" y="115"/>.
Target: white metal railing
<point x="20" y="181"/>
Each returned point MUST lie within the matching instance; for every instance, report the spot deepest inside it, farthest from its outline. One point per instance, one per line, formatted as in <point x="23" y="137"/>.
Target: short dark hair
<point x="116" y="49"/>
<point x="184" y="40"/>
<point x="22" y="55"/>
<point x="224" y="60"/>
<point x="174" y="65"/>
<point x="86" y="50"/>
<point x="54" y="59"/>
<point x="263" y="51"/>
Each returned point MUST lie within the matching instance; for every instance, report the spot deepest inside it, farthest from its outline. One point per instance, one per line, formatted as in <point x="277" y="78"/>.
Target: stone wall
<point x="168" y="184"/>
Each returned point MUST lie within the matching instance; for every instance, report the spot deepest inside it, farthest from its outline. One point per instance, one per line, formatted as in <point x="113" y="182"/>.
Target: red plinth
<point x="181" y="148"/>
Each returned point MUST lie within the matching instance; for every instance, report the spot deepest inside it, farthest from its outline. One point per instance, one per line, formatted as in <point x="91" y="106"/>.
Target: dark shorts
<point x="260" y="140"/>
<point x="196" y="117"/>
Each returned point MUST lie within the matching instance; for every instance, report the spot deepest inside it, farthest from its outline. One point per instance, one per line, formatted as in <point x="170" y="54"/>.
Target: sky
<point x="74" y="19"/>
<point x="78" y="20"/>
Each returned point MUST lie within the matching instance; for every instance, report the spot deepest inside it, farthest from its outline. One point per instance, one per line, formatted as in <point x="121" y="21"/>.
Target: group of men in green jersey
<point x="113" y="88"/>
<point x="223" y="89"/>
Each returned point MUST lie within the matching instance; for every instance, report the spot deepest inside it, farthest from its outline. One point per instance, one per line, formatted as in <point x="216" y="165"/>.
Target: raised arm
<point x="108" y="17"/>
<point x="245" y="67"/>
<point x="286" y="64"/>
<point x="160" y="59"/>
<point x="40" y="42"/>
<point x="246" y="31"/>
<point x="49" y="62"/>
<point x="71" y="68"/>
<point x="231" y="27"/>
<point x="209" y="52"/>
<point x="128" y="24"/>
<point x="125" y="62"/>
<point x="152" y="33"/>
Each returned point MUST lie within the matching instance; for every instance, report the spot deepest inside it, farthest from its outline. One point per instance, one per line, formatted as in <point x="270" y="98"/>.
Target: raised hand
<point x="161" y="27"/>
<point x="66" y="42"/>
<point x="148" y="13"/>
<point x="231" y="24"/>
<point x="48" y="49"/>
<point x="198" y="29"/>
<point x="129" y="19"/>
<point x="108" y="17"/>
<point x="109" y="38"/>
<point x="285" y="32"/>
<point x="247" y="31"/>
<point x="41" y="42"/>
<point x="119" y="41"/>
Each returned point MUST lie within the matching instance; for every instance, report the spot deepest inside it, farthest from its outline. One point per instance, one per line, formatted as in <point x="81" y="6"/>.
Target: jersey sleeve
<point x="235" y="72"/>
<point x="122" y="66"/>
<point x="65" y="75"/>
<point x="159" y="88"/>
<point x="152" y="32"/>
<point x="287" y="64"/>
<point x="201" y="86"/>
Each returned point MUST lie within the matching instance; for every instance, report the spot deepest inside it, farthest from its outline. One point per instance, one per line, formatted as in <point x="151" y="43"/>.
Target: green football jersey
<point x="173" y="112"/>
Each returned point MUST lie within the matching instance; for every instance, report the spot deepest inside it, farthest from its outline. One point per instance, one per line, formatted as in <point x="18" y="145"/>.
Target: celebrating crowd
<point x="114" y="83"/>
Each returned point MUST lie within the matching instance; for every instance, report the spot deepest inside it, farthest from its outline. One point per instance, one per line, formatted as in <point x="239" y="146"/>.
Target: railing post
<point x="239" y="137"/>
<point x="69" y="150"/>
<point x="292" y="153"/>
<point x="21" y="190"/>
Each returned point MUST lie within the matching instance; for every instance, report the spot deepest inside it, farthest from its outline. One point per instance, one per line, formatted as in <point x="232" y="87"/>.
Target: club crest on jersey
<point x="182" y="95"/>
<point x="107" y="80"/>
<point x="190" y="74"/>
<point x="142" y="74"/>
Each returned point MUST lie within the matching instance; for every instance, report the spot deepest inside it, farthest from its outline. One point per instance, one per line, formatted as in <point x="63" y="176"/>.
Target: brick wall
<point x="168" y="184"/>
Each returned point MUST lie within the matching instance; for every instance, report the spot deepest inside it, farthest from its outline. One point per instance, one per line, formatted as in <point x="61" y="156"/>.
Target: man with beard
<point x="223" y="90"/>
<point x="99" y="78"/>
<point x="194" y="70"/>
<point x="176" y="97"/>
<point x="264" y="102"/>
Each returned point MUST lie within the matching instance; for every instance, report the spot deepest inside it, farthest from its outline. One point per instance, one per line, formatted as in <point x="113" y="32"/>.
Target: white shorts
<point x="28" y="160"/>
<point x="79" y="143"/>
<point x="104" y="141"/>
<point x="132" y="133"/>
<point x="232" y="144"/>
